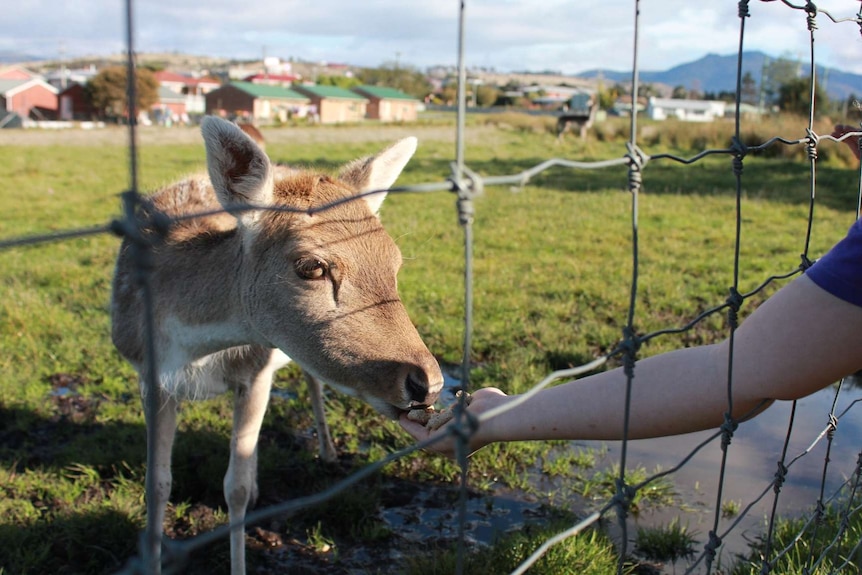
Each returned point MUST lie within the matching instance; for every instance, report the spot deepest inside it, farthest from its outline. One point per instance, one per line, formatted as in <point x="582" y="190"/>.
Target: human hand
<point x="482" y="400"/>
<point x="851" y="141"/>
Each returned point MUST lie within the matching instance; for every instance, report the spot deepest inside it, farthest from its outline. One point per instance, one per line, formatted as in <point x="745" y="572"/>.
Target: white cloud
<point x="505" y="34"/>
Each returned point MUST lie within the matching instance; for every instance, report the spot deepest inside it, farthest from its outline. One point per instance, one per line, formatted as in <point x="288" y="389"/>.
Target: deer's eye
<point x="310" y="268"/>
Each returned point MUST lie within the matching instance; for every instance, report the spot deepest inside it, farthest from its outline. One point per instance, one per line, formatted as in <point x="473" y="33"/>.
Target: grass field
<point x="552" y="282"/>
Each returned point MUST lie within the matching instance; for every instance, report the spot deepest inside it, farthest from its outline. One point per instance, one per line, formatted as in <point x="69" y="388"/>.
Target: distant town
<point x="177" y="90"/>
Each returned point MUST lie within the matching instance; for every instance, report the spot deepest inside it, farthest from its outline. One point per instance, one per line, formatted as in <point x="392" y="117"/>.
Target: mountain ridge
<point x="716" y="73"/>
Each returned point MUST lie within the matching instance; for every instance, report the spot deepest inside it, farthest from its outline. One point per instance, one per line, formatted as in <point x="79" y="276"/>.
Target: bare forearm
<point x="687" y="390"/>
<point x="662" y="390"/>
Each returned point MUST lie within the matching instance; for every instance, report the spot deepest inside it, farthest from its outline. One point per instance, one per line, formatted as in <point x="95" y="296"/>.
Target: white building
<point x="687" y="110"/>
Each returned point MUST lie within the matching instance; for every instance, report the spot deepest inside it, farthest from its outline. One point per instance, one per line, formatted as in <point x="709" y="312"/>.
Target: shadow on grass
<point x="94" y="542"/>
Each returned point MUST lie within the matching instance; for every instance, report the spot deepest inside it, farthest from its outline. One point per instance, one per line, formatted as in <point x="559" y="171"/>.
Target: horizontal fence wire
<point x="466" y="185"/>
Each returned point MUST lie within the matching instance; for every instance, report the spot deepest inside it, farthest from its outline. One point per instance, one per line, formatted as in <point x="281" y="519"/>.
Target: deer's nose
<point x="418" y="389"/>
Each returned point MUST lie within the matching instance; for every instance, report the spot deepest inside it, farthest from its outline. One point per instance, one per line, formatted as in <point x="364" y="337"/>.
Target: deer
<point x="326" y="447"/>
<point x="260" y="279"/>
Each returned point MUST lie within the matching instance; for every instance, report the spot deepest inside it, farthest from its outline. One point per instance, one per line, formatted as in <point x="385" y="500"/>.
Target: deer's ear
<point x="239" y="170"/>
<point x="379" y="172"/>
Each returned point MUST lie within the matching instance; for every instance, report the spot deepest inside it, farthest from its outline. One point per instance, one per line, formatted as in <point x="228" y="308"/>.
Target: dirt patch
<point x="413" y="518"/>
<point x="69" y="404"/>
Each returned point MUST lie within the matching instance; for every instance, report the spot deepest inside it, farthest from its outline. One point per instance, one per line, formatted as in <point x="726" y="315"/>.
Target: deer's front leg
<point x="324" y="439"/>
<point x="161" y="429"/>
<point x="240" y="482"/>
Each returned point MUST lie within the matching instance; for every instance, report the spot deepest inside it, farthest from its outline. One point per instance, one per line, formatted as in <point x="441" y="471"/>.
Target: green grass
<point x="553" y="268"/>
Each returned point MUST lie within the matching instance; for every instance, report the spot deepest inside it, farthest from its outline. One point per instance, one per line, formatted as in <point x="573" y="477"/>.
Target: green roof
<point x="8" y="85"/>
<point x="384" y="93"/>
<point x="331" y="92"/>
<point x="267" y="91"/>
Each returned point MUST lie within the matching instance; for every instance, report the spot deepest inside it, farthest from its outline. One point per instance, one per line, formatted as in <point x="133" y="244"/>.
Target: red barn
<point x="29" y="98"/>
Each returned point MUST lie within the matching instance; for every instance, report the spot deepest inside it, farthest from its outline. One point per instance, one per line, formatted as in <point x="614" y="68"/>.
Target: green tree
<point x="339" y="81"/>
<point x="680" y="93"/>
<point x="794" y="96"/>
<point x="486" y="95"/>
<point x="393" y="75"/>
<point x="107" y="91"/>
<point x="609" y="96"/>
<point x="776" y="73"/>
<point x="748" y="91"/>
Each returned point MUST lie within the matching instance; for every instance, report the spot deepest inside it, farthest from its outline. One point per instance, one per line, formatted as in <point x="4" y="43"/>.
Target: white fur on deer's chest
<point x="193" y="358"/>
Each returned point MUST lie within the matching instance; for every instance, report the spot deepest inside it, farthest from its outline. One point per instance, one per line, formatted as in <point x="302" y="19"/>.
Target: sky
<point x="506" y="35"/>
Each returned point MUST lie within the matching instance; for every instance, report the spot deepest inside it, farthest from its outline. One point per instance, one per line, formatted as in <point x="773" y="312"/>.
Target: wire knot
<point x="463" y="433"/>
<point x="832" y="427"/>
<point x="630" y="346"/>
<point x="805" y="263"/>
<point x="811" y="144"/>
<point x="467" y="189"/>
<point x="637" y="161"/>
<point x="623" y="498"/>
<point x="740" y="150"/>
<point x="734" y="303"/>
<point x="811" y="18"/>
<point x="780" y="477"/>
<point x="712" y="545"/>
<point x="727" y="429"/>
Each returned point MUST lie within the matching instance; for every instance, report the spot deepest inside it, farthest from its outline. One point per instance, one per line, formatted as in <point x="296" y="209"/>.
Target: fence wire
<point x="467" y="185"/>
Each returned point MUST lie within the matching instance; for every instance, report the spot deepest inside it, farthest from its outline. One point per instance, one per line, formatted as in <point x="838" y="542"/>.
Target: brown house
<point x="335" y="105"/>
<point x="73" y="104"/>
<point x="389" y="104"/>
<point x="255" y="102"/>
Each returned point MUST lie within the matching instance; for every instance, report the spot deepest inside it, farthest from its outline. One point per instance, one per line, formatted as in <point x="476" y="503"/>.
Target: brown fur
<point x="233" y="293"/>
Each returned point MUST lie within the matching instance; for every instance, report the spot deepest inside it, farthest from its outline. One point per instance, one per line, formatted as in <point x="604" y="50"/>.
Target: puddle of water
<point x="752" y="461"/>
<point x="750" y="467"/>
<point x="432" y="515"/>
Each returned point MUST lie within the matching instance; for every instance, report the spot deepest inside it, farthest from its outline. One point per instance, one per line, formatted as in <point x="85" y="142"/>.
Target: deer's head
<point x="321" y="285"/>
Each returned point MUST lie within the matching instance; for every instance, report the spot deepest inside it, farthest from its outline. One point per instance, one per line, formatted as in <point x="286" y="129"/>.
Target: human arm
<point x="797" y="342"/>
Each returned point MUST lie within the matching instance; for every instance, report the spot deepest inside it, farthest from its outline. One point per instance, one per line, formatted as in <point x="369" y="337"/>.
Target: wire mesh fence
<point x="467" y="185"/>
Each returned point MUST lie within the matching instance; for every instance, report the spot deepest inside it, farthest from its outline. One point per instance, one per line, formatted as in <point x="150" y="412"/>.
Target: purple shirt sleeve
<point x="840" y="271"/>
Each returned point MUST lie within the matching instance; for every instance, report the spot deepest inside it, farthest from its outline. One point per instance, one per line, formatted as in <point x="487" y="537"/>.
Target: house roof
<point x="12" y="87"/>
<point x="271" y="78"/>
<point x="680" y="104"/>
<point x="15" y="72"/>
<point x="269" y="91"/>
<point x="383" y="93"/>
<point x="330" y="92"/>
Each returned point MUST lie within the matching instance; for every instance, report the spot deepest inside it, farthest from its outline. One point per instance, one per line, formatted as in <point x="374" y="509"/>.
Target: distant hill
<point x="12" y="57"/>
<point x="714" y="73"/>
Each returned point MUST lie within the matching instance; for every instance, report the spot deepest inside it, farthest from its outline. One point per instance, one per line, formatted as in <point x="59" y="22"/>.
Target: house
<point x="192" y="90"/>
<point x="73" y="104"/>
<point x="334" y="105"/>
<point x="256" y="102"/>
<point x="389" y="104"/>
<point x="28" y="98"/>
<point x="171" y="107"/>
<point x="687" y="110"/>
<point x="624" y="104"/>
